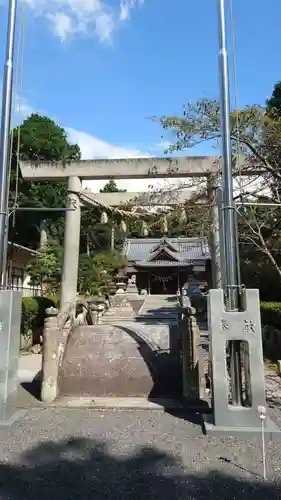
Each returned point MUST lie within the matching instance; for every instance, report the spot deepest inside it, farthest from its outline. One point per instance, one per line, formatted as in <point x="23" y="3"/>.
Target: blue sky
<point x="102" y="69"/>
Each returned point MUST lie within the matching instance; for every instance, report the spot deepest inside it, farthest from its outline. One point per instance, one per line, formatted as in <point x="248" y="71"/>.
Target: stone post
<point x="100" y="309"/>
<point x="71" y="243"/>
<point x="43" y="235"/>
<point x="192" y="362"/>
<point x="50" y="356"/>
<point x="92" y="310"/>
<point x="214" y="237"/>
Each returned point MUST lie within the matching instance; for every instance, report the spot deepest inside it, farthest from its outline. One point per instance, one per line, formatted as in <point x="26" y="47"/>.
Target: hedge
<point x="33" y="313"/>
<point x="271" y="314"/>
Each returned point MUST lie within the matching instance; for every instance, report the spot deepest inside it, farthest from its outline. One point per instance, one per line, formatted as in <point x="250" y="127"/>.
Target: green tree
<point x="110" y="261"/>
<point x="41" y="139"/>
<point x="103" y="233"/>
<point x="253" y="133"/>
<point x="45" y="269"/>
<point x="273" y="105"/>
<point x="90" y="279"/>
<point x="111" y="187"/>
<point x="38" y="139"/>
<point x="97" y="272"/>
<point x="257" y="134"/>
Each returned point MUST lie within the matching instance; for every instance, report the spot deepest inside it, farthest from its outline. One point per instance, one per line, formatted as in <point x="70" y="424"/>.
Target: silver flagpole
<point x="7" y="98"/>
<point x="10" y="300"/>
<point x="231" y="264"/>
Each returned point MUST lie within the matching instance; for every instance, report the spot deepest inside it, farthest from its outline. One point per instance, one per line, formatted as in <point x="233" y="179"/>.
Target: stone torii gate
<point x="224" y="326"/>
<point x="207" y="167"/>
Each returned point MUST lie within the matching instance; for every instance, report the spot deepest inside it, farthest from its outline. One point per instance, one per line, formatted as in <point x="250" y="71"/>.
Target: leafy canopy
<point x="39" y="139"/>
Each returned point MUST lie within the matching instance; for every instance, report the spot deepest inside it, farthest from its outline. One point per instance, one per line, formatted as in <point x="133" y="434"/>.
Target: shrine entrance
<point x="164" y="284"/>
<point x="162" y="266"/>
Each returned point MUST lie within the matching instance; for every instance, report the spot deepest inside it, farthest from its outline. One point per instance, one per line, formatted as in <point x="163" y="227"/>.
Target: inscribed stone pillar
<point x="49" y="387"/>
<point x="192" y="362"/>
<point x="214" y="237"/>
<point x="71" y="243"/>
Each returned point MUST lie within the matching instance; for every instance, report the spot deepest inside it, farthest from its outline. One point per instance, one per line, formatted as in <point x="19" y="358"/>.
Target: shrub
<point x="271" y="314"/>
<point x="45" y="268"/>
<point x="33" y="315"/>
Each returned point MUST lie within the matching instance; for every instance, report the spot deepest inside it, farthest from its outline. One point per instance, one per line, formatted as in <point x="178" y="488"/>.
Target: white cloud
<point x="20" y="106"/>
<point x="21" y="109"/>
<point x="92" y="147"/>
<point x="159" y="148"/>
<point x="62" y="24"/>
<point x="126" y="6"/>
<point x="83" y="17"/>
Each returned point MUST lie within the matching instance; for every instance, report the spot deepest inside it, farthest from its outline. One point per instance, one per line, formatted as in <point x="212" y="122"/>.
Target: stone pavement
<point x="124" y="455"/>
<point x="29" y="366"/>
<point x="159" y="307"/>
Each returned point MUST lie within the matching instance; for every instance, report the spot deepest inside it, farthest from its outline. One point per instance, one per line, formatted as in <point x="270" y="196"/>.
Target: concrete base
<point x="272" y="432"/>
<point x="13" y="418"/>
<point x="10" y="314"/>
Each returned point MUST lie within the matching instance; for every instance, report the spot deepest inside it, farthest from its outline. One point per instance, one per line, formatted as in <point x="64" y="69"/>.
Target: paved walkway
<point x="125" y="455"/>
<point x="29" y="366"/>
<point x="159" y="308"/>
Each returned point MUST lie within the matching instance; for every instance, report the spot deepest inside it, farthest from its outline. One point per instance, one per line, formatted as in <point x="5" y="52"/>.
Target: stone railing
<point x="192" y="360"/>
<point x="57" y="327"/>
<point x="198" y="300"/>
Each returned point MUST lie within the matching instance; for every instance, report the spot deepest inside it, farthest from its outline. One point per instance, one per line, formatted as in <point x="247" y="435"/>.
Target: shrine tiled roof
<point x="149" y="252"/>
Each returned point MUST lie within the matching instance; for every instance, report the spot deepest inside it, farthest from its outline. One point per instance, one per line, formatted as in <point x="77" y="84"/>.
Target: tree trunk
<point x="273" y="262"/>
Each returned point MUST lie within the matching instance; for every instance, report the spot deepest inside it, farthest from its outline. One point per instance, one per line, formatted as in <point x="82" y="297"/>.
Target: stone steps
<point x="117" y="314"/>
<point x="159" y="308"/>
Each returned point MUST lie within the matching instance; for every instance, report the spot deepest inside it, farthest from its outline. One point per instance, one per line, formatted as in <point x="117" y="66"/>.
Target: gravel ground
<point x="273" y="395"/>
<point x="139" y="454"/>
<point x="121" y="455"/>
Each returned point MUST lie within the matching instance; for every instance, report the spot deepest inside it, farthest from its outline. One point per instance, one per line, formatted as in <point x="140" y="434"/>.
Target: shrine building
<point x="164" y="265"/>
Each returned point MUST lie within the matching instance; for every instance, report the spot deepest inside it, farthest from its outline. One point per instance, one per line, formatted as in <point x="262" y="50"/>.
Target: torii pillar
<point x="71" y="243"/>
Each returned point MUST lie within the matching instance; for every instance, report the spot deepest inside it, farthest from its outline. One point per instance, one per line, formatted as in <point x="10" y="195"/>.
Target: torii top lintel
<point x="132" y="168"/>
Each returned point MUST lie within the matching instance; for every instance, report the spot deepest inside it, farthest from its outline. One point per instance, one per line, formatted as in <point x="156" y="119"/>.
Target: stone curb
<point x="129" y="403"/>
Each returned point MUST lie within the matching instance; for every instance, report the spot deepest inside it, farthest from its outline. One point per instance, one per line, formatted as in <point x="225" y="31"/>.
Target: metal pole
<point x="230" y="247"/>
<point x="7" y="97"/>
<point x="221" y="233"/>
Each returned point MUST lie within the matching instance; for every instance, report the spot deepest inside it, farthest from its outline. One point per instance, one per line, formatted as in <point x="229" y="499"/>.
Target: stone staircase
<point x="160" y="308"/>
<point x="122" y="312"/>
<point x="155" y="308"/>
